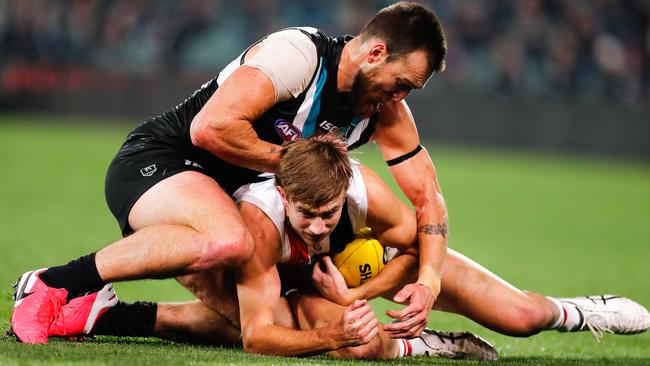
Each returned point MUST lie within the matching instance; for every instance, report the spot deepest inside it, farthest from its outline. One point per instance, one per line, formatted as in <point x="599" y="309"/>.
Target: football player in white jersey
<point x="295" y="218"/>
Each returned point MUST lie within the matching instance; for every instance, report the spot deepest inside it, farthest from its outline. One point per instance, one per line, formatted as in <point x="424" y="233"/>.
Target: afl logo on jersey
<point x="286" y="130"/>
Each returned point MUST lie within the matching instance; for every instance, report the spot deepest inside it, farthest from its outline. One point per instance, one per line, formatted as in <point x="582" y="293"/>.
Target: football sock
<point x="129" y="320"/>
<point x="78" y="276"/>
<point x="569" y="318"/>
<point x="411" y="347"/>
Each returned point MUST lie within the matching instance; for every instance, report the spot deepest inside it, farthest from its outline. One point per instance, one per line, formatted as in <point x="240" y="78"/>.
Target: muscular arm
<point x="276" y="69"/>
<point x="258" y="289"/>
<point x="391" y="221"/>
<point x="224" y="124"/>
<point x="396" y="135"/>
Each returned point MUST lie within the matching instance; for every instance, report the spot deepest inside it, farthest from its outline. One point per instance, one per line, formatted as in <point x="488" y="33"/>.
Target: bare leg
<point x="313" y="311"/>
<point x="196" y="323"/>
<point x="216" y="289"/>
<point x="183" y="224"/>
<point x="471" y="290"/>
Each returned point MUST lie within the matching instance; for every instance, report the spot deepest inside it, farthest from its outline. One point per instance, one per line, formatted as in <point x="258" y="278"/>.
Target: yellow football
<point x="361" y="260"/>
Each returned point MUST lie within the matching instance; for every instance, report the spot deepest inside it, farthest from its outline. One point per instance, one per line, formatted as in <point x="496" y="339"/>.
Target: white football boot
<point x="457" y="345"/>
<point x="608" y="313"/>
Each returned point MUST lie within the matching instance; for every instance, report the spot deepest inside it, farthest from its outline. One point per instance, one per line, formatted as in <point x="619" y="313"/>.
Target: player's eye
<point x="328" y="215"/>
<point x="308" y="215"/>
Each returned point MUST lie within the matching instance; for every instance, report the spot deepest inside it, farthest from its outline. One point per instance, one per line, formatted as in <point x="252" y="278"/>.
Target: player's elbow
<point x="200" y="131"/>
<point x="252" y="344"/>
<point x="250" y="339"/>
<point x="407" y="234"/>
<point x="404" y="235"/>
<point x="205" y="132"/>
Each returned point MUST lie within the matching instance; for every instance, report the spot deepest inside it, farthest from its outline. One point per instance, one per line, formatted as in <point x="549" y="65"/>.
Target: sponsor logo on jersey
<point x="194" y="164"/>
<point x="148" y="170"/>
<point x="327" y="126"/>
<point x="344" y="132"/>
<point x="286" y="130"/>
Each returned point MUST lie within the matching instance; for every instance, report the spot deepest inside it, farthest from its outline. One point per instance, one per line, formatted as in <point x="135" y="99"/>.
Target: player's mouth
<point x="315" y="238"/>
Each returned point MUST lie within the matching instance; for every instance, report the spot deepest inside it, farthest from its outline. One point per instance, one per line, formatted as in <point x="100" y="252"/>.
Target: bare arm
<point x="390" y="219"/>
<point x="258" y="289"/>
<point x="397" y="135"/>
<point x="224" y="124"/>
<point x="331" y="284"/>
<point x="393" y="223"/>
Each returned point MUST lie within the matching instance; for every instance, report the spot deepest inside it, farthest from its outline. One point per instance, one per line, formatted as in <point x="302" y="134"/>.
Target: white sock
<point x="410" y="347"/>
<point x="569" y="317"/>
<point x="560" y="313"/>
<point x="403" y="348"/>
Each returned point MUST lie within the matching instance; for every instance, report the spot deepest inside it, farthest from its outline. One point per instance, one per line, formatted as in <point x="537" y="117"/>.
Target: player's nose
<point x="317" y="226"/>
<point x="397" y="96"/>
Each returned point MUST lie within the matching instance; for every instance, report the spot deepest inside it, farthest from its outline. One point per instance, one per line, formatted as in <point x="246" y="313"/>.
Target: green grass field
<point x="560" y="225"/>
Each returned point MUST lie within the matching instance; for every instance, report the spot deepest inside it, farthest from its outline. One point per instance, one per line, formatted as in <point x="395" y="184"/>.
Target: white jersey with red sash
<point x="265" y="196"/>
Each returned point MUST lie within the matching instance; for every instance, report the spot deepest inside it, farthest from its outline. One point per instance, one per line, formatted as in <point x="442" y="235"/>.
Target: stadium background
<point x="555" y="74"/>
<point x="539" y="130"/>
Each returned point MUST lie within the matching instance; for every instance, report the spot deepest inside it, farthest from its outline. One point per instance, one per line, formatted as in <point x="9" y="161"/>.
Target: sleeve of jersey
<point x="265" y="196"/>
<point x="289" y="59"/>
<point x="357" y="199"/>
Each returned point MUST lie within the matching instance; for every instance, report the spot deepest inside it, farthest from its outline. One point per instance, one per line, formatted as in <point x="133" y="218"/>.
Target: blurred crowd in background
<point x="526" y="48"/>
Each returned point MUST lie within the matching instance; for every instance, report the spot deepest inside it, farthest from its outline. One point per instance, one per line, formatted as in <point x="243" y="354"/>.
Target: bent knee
<point x="525" y="321"/>
<point x="230" y="250"/>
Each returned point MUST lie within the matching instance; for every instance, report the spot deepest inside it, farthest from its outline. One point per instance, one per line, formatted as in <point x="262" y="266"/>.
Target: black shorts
<point x="144" y="160"/>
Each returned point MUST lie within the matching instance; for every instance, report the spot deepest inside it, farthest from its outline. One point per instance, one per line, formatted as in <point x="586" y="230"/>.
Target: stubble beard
<point x="363" y="103"/>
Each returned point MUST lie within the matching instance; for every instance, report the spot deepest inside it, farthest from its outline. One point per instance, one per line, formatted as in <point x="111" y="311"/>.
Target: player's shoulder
<point x="394" y="112"/>
<point x="395" y="125"/>
<point x="298" y="37"/>
<point x="263" y="196"/>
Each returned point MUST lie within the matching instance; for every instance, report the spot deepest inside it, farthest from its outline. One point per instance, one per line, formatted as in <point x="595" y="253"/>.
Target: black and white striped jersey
<point x="318" y="109"/>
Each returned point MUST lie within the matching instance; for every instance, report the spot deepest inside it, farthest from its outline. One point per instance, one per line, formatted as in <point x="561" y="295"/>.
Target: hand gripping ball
<point x="361" y="260"/>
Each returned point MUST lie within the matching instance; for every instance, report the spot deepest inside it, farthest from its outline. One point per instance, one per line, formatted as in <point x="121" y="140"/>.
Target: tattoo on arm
<point x="437" y="229"/>
<point x="274" y="150"/>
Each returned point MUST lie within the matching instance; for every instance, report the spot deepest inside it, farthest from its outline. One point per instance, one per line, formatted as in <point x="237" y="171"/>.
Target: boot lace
<point x="597" y="325"/>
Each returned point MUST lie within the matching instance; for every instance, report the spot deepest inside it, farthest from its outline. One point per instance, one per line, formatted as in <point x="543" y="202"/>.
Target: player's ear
<point x="378" y="51"/>
<point x="283" y="194"/>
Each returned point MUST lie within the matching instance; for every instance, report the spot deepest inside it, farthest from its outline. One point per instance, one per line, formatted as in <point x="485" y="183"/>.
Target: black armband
<point x="405" y="157"/>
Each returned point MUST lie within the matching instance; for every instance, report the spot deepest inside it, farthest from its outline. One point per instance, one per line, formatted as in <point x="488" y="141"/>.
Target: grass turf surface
<point x="560" y="225"/>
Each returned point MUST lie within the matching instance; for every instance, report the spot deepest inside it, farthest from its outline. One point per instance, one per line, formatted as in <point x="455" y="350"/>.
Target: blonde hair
<point x="314" y="171"/>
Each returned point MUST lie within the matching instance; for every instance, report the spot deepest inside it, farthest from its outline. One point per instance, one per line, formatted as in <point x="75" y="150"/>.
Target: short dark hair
<point x="406" y="27"/>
